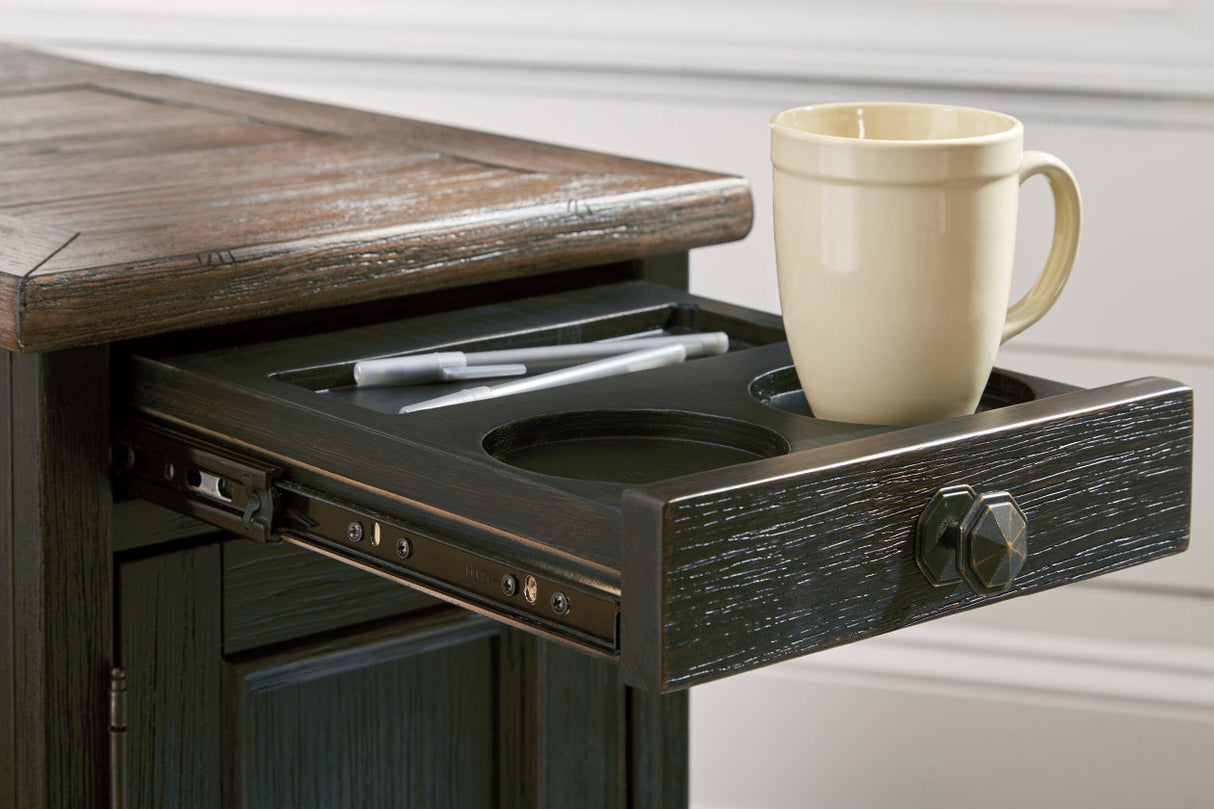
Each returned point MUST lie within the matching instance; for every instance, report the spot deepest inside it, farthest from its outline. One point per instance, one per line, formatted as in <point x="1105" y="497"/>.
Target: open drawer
<point x="694" y="521"/>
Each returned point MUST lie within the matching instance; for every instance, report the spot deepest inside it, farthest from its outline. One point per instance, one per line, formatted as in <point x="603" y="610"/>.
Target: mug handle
<point x="1067" y="214"/>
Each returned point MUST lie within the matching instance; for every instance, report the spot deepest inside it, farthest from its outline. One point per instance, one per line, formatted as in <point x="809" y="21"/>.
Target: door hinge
<point x="188" y="475"/>
<point x="118" y="733"/>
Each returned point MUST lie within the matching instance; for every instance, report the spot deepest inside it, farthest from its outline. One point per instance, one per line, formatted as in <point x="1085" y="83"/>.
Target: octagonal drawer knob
<point x="979" y="539"/>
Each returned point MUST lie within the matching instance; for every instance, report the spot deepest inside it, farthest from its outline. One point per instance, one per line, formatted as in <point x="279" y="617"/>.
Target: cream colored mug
<point x="895" y="226"/>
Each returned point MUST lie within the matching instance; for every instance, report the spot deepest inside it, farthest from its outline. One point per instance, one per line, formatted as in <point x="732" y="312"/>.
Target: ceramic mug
<point x="895" y="226"/>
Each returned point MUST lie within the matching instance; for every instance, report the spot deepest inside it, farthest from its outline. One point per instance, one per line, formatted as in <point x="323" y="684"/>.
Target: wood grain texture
<point x="581" y="716"/>
<point x="143" y="524"/>
<point x="565" y="727"/>
<point x="24" y="71"/>
<point x="61" y="579"/>
<point x="400" y="716"/>
<point x="819" y="550"/>
<point x="658" y="739"/>
<point x="467" y="144"/>
<point x="8" y="660"/>
<point x="190" y="205"/>
<point x="170" y="649"/>
<point x="276" y="593"/>
<point x="24" y="246"/>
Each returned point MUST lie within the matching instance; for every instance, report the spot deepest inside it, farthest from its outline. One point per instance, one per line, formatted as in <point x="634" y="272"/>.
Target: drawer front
<point x="729" y="573"/>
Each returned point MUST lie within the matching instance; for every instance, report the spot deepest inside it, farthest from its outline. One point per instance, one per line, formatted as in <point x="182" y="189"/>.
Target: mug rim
<point x="1012" y="128"/>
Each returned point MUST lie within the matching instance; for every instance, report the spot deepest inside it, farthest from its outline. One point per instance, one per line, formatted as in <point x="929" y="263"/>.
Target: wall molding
<point x="1175" y="681"/>
<point x="1093" y="697"/>
<point x="1149" y="47"/>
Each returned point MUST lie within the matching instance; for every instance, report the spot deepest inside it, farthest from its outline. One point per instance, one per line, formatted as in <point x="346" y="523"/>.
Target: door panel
<point x="391" y="717"/>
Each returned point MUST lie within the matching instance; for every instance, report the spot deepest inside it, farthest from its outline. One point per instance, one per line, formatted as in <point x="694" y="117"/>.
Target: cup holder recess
<point x="630" y="446"/>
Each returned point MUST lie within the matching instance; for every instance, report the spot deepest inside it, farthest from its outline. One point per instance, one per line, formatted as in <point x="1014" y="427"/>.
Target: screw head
<point x="560" y="603"/>
<point x="354" y="531"/>
<point x="509" y="585"/>
<point x="404" y="548"/>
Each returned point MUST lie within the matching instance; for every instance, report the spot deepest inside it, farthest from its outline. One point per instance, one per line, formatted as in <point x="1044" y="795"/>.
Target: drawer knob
<point x="979" y="539"/>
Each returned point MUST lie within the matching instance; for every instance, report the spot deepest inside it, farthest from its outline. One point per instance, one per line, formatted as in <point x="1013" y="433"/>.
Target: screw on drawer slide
<point x="185" y="474"/>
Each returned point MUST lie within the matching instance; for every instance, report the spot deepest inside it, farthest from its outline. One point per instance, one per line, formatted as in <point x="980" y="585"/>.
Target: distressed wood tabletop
<point x="133" y="204"/>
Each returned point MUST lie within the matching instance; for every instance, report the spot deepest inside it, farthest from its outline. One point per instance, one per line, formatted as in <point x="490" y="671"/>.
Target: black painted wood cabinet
<point x="231" y="578"/>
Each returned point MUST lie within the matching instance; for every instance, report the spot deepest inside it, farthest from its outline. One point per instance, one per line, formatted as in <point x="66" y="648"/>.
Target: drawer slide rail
<point x="257" y="500"/>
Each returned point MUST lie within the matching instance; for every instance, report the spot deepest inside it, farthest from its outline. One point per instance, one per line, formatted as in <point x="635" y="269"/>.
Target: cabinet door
<point x="432" y="706"/>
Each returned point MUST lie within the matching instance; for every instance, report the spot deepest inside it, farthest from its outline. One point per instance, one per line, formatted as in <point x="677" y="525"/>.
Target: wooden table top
<point x="133" y="204"/>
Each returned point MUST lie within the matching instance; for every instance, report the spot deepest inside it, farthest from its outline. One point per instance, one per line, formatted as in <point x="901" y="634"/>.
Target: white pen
<point x="611" y="366"/>
<point x="418" y="368"/>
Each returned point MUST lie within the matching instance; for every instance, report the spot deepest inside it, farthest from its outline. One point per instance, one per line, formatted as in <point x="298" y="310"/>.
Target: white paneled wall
<point x="1095" y="695"/>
